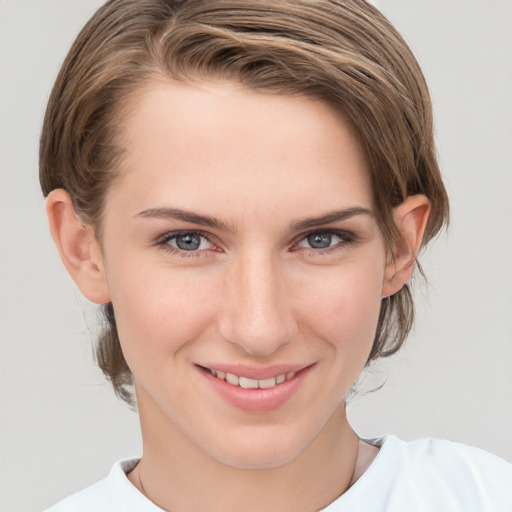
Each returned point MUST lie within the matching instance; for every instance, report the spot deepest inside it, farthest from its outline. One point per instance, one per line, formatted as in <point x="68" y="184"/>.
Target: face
<point x="245" y="267"/>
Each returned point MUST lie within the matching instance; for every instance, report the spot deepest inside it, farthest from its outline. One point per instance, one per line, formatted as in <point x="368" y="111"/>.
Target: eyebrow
<point x="186" y="216"/>
<point x="328" y="218"/>
<point x="212" y="222"/>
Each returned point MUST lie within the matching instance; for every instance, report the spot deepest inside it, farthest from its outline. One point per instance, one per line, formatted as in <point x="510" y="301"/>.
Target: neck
<point x="177" y="476"/>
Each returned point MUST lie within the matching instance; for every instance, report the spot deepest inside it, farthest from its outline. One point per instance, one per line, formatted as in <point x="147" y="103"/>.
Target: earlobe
<point x="411" y="219"/>
<point x="77" y="246"/>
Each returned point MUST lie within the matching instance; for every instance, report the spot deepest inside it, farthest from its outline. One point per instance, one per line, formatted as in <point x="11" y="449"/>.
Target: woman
<point x="245" y="189"/>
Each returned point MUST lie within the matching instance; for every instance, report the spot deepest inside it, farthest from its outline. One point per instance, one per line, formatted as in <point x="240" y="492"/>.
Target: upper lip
<point x="256" y="372"/>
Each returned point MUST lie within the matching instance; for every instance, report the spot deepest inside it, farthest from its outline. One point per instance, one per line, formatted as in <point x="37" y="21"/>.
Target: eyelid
<point x="173" y="234"/>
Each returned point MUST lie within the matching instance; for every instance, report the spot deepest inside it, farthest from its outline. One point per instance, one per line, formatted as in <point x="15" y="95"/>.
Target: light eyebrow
<point x="186" y="216"/>
<point x="330" y="217"/>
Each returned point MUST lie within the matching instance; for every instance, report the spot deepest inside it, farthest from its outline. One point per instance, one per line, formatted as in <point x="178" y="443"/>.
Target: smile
<point x="247" y="383"/>
<point x="253" y="389"/>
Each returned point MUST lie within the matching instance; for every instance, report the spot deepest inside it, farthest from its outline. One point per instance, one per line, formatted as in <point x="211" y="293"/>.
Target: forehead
<point x="189" y="143"/>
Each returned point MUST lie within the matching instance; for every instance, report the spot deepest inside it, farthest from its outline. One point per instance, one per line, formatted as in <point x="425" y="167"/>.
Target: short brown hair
<point x="344" y="52"/>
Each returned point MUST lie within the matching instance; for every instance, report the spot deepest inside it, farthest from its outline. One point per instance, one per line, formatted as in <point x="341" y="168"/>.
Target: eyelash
<point x="346" y="237"/>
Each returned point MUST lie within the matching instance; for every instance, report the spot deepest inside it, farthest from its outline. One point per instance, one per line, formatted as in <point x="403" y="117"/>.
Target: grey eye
<point x="325" y="239"/>
<point x="320" y="240"/>
<point x="188" y="241"/>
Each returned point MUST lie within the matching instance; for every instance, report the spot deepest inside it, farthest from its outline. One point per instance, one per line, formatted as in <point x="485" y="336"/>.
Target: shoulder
<point x="115" y="493"/>
<point x="430" y="474"/>
<point x="86" y="499"/>
<point x="456" y="463"/>
<point x="447" y="474"/>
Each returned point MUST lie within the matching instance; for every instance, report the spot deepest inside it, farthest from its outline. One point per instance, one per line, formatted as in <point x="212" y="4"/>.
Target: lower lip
<point x="257" y="400"/>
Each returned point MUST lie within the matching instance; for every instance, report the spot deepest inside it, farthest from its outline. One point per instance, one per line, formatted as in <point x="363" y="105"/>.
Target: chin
<point x="252" y="451"/>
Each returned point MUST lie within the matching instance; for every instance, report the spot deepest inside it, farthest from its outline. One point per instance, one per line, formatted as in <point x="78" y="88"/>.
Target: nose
<point x="257" y="308"/>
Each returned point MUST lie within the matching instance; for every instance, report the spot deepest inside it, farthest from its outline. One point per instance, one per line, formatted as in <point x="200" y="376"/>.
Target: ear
<point x="77" y="246"/>
<point x="410" y="219"/>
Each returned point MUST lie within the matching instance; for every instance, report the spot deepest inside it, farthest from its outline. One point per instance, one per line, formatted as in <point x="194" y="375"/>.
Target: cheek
<point x="159" y="312"/>
<point x="343" y="307"/>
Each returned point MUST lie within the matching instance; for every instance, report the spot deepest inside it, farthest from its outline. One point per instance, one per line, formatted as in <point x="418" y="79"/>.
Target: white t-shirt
<point x="425" y="475"/>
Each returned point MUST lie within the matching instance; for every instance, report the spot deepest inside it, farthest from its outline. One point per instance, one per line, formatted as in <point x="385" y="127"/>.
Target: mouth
<point x="248" y="383"/>
<point x="256" y="389"/>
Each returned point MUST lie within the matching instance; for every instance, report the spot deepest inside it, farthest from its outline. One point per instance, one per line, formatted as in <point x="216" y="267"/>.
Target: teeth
<point x="268" y="383"/>
<point x="246" y="383"/>
<point x="232" y="379"/>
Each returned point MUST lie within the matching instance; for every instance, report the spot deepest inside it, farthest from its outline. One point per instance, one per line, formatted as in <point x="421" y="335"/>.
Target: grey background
<point x="61" y="427"/>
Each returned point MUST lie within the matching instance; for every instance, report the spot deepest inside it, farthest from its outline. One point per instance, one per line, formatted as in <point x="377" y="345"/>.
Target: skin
<point x="255" y="293"/>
